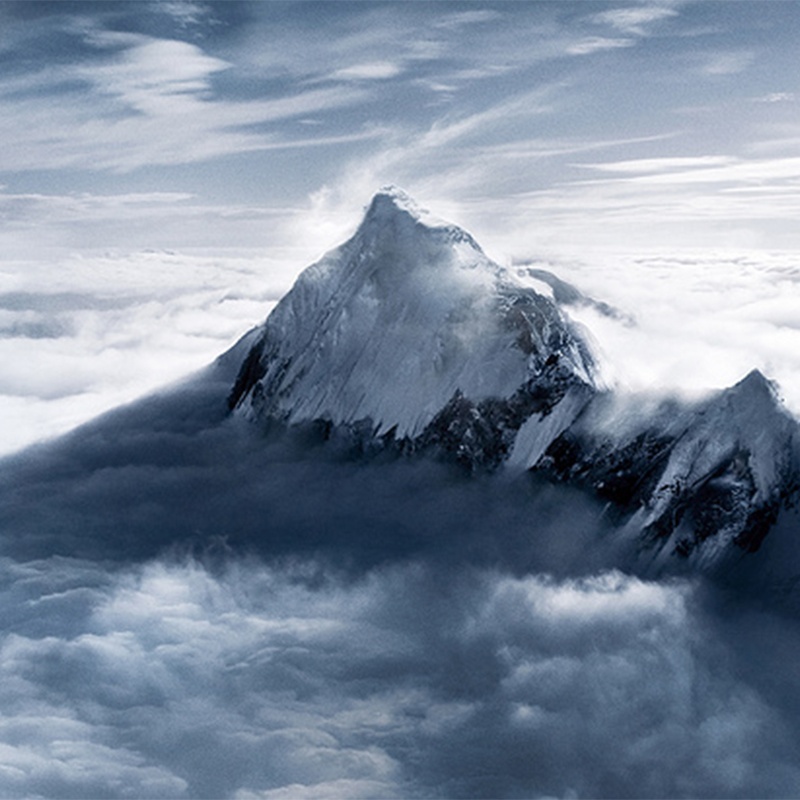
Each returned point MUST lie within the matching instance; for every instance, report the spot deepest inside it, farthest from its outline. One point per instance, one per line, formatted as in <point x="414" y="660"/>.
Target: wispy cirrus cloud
<point x="185" y="12"/>
<point x="657" y="165"/>
<point x="125" y="99"/>
<point x="704" y="170"/>
<point x="150" y="103"/>
<point x="704" y="205"/>
<point x="635" y="20"/>
<point x="153" y="76"/>
<point x="726" y="63"/>
<point x="374" y="70"/>
<point x="595" y="44"/>
<point x="777" y="97"/>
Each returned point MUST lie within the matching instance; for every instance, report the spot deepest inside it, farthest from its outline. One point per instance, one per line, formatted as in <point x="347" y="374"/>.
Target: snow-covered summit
<point x="391" y="325"/>
<point x="744" y="424"/>
<point x="391" y="200"/>
<point x="392" y="209"/>
<point x="754" y="388"/>
<point x="738" y="456"/>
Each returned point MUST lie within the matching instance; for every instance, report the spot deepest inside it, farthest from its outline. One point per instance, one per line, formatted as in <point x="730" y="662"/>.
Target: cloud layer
<point x="104" y="329"/>
<point x="196" y="608"/>
<point x="168" y="680"/>
<point x="100" y="330"/>
<point x="701" y="319"/>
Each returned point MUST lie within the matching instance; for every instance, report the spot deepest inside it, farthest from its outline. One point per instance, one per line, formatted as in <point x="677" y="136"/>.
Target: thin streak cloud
<point x="727" y="63"/>
<point x="709" y="170"/>
<point x="644" y="165"/>
<point x="596" y="44"/>
<point x="635" y="20"/>
<point x="376" y="70"/>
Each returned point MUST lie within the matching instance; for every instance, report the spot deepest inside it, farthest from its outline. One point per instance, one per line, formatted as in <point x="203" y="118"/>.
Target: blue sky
<point x="168" y="168"/>
<point x="141" y="123"/>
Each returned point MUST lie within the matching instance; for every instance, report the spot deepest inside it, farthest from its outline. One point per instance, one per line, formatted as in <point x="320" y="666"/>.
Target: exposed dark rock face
<point x="250" y="373"/>
<point x="481" y="434"/>
<point x="624" y="476"/>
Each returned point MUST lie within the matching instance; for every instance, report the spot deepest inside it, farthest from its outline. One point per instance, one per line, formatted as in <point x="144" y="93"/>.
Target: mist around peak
<point x="387" y="328"/>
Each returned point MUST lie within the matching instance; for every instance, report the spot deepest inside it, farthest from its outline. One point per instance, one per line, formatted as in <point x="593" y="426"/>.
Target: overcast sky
<point x="245" y="139"/>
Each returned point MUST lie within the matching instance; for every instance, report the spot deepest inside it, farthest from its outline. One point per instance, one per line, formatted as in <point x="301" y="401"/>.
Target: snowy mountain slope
<point x="405" y="318"/>
<point x="408" y="340"/>
<point x="729" y="474"/>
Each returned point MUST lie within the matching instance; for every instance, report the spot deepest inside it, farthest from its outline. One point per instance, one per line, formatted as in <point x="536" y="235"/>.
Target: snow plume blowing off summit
<point x="399" y="541"/>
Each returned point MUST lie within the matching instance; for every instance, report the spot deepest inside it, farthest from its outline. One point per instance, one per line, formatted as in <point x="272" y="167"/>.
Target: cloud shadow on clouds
<point x="174" y="472"/>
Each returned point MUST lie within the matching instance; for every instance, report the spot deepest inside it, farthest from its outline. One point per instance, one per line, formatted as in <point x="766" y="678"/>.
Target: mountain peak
<point x="392" y="199"/>
<point x="755" y="383"/>
<point x="754" y="396"/>
<point x="394" y="213"/>
<point x="391" y="325"/>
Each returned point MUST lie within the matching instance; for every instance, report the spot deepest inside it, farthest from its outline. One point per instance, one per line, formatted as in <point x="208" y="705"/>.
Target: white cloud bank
<point x="100" y="330"/>
<point x="703" y="319"/>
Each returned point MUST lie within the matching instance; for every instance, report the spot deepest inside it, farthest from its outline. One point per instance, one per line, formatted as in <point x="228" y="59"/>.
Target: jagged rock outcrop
<point x="692" y="479"/>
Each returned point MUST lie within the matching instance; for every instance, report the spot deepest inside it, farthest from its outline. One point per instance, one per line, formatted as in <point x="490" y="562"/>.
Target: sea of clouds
<point x="192" y="608"/>
<point x="174" y="679"/>
<point x="82" y="334"/>
<point x="195" y="608"/>
<point x="87" y="333"/>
